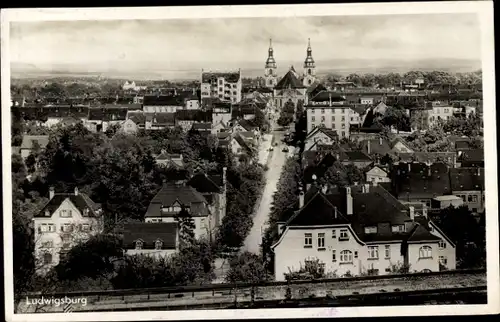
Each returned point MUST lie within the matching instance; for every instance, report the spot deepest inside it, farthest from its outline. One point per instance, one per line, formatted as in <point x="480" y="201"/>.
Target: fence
<point x="229" y="287"/>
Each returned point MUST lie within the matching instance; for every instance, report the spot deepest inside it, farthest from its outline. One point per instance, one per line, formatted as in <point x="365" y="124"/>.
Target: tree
<point x="284" y="119"/>
<point x="461" y="226"/>
<point x="246" y="268"/>
<point x="300" y="109"/>
<point x="94" y="258"/>
<point x="289" y="108"/>
<point x="186" y="227"/>
<point x="23" y="260"/>
<point x="17" y="126"/>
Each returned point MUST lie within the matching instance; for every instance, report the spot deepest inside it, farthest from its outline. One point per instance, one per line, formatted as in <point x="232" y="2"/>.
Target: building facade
<point x="226" y="86"/>
<point x="66" y="220"/>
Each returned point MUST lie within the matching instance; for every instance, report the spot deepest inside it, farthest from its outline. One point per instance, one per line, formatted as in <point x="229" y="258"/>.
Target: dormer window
<point x="158" y="244"/>
<point x="398" y="228"/>
<point x="138" y="244"/>
<point x="371" y="230"/>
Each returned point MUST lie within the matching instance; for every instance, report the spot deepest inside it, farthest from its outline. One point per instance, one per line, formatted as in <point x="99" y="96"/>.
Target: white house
<point x="319" y="135"/>
<point x="151" y="239"/>
<point x="351" y="231"/>
<point x="172" y="198"/>
<point x="66" y="219"/>
<point x="377" y="175"/>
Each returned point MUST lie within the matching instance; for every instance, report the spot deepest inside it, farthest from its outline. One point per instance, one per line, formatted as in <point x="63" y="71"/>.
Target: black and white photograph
<point x="249" y="161"/>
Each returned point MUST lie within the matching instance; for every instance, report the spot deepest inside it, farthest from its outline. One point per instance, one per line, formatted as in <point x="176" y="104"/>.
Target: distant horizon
<point x="136" y="47"/>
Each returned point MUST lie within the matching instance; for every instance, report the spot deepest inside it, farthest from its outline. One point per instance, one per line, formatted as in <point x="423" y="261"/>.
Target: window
<point x="234" y="85"/>
<point x="333" y="118"/>
<point x="343" y="134"/>
<point x="446" y="110"/>
<point x="343" y="125"/>
<point x="47" y="258"/>
<point x="220" y="89"/>
<point x="234" y="92"/>
<point x="346" y="256"/>
<point x="65" y="213"/>
<point x="372" y="252"/>
<point x="474" y="209"/>
<point x="355" y="254"/>
<point x="322" y="111"/>
<point x="138" y="244"/>
<point x="85" y="227"/>
<point x="443" y="260"/>
<point x="387" y="251"/>
<point x="398" y="228"/>
<point x="425" y="252"/>
<point x="309" y="72"/>
<point x="371" y="230"/>
<point x="334" y="233"/>
<point x="321" y="241"/>
<point x="342" y="111"/>
<point x="469" y="198"/>
<point x="67" y="228"/>
<point x="220" y="82"/>
<point x="158" y="244"/>
<point x="474" y="198"/>
<point x="442" y="244"/>
<point x="344" y="234"/>
<point x="308" y="240"/>
<point x="322" y="119"/>
<point x="334" y="255"/>
<point x="313" y="118"/>
<point x="47" y="228"/>
<point x="333" y="125"/>
<point x="343" y="118"/>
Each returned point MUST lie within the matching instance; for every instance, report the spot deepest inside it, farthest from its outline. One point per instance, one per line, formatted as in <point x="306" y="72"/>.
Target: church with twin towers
<point x="292" y="86"/>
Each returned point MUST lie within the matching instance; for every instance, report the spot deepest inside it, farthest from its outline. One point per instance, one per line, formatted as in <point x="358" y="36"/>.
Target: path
<point x="276" y="162"/>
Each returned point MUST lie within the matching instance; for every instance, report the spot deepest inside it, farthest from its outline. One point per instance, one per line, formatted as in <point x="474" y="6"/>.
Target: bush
<point x="312" y="270"/>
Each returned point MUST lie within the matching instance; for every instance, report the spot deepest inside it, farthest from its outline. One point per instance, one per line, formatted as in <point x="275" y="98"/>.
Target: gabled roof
<point x="80" y="201"/>
<point x="164" y="100"/>
<point x="426" y="157"/>
<point x="360" y="108"/>
<point x="289" y="81"/>
<point x="242" y="142"/>
<point x="149" y="233"/>
<point x="354" y="156"/>
<point x="245" y="124"/>
<point x="317" y="212"/>
<point x="326" y="96"/>
<point x="28" y="141"/>
<point x="193" y="115"/>
<point x="137" y="117"/>
<point x="204" y="183"/>
<point x="161" y="118"/>
<point x="421" y="181"/>
<point x="171" y="193"/>
<point x="377" y="146"/>
<point x="329" y="132"/>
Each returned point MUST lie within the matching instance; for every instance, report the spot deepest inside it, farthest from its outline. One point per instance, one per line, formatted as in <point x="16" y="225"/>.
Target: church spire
<point x="309" y="62"/>
<point x="270" y="62"/>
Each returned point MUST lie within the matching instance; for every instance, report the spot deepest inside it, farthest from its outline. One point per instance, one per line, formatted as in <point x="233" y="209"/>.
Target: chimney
<point x="76" y="191"/>
<point x="301" y="198"/>
<point x="356" y="183"/>
<point x="348" y="201"/>
<point x="368" y="147"/>
<point x="409" y="167"/>
<point x="412" y="212"/>
<point x="380" y="140"/>
<point x="51" y="192"/>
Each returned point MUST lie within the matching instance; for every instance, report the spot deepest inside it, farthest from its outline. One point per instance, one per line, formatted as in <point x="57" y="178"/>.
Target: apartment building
<point x="226" y="86"/>
<point x="327" y="109"/>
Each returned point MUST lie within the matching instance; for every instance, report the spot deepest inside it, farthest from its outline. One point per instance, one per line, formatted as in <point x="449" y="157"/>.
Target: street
<point x="276" y="162"/>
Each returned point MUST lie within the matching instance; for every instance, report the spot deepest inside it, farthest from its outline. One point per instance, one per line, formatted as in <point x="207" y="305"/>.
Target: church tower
<point x="270" y="74"/>
<point x="309" y="67"/>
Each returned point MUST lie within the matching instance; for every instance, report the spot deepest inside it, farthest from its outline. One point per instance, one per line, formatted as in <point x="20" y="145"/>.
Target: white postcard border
<point x="483" y="8"/>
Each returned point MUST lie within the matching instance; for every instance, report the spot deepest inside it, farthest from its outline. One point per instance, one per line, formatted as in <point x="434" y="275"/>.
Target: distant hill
<point x="144" y="70"/>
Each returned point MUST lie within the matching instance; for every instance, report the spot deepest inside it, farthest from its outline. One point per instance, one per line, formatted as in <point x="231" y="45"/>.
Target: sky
<point x="183" y="43"/>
